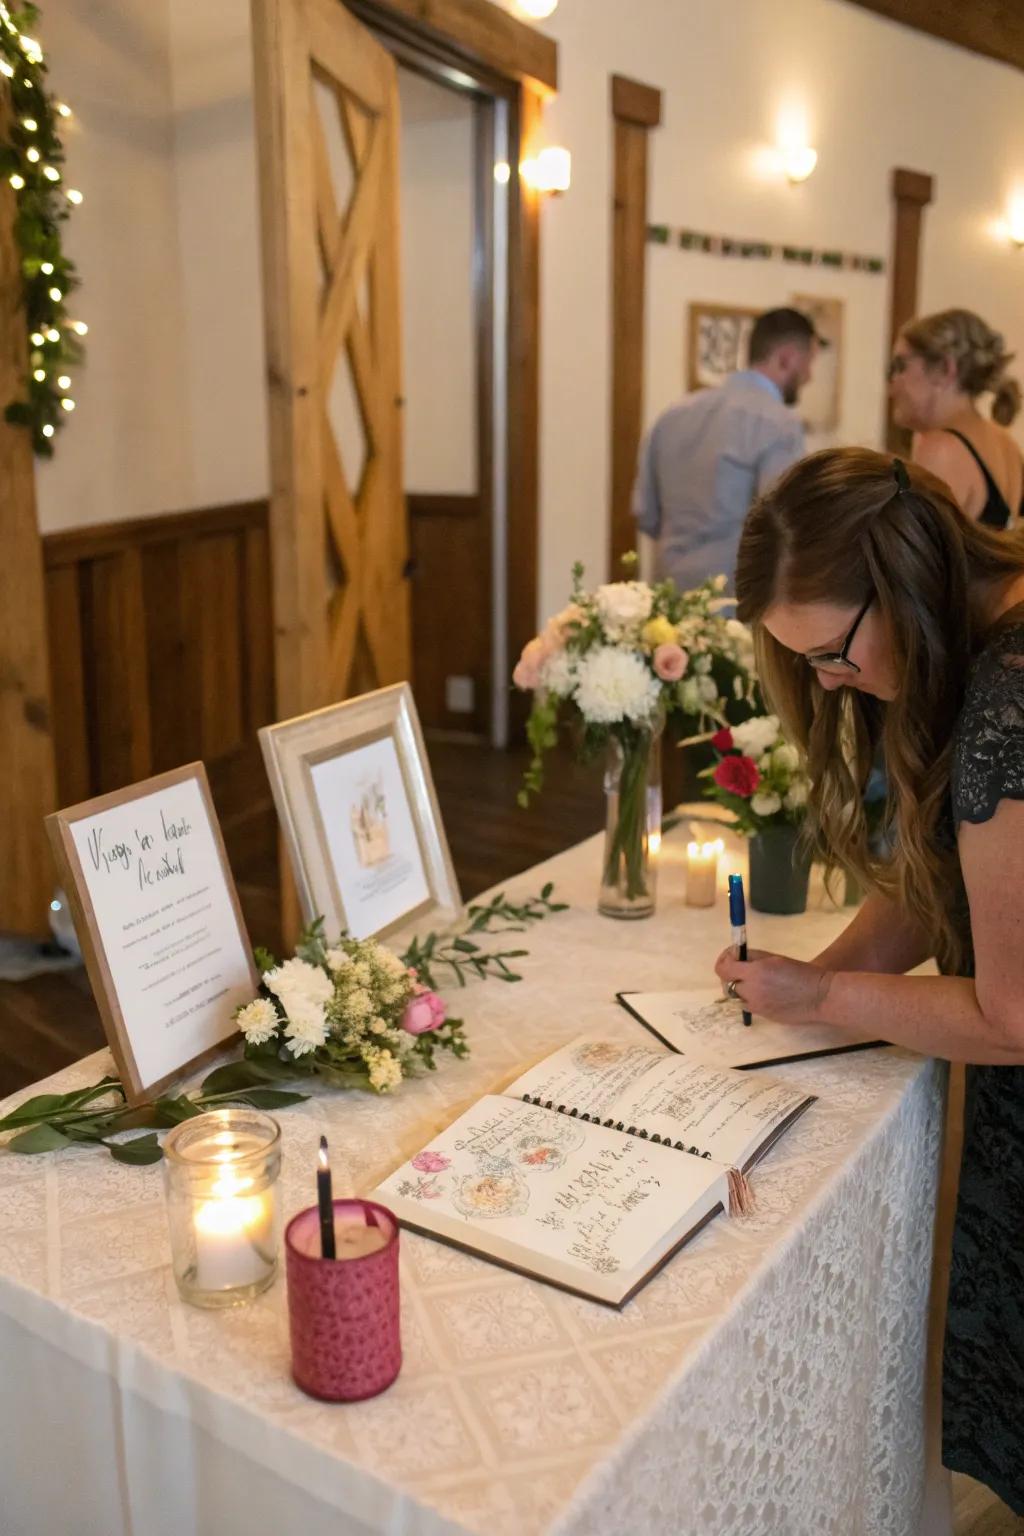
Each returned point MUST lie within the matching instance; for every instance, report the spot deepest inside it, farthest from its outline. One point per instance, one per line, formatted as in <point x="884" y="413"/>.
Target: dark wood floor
<point x="52" y="1020"/>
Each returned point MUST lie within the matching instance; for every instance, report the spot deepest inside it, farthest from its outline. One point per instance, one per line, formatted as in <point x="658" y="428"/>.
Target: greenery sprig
<point x="461" y="957"/>
<point x="32" y="160"/>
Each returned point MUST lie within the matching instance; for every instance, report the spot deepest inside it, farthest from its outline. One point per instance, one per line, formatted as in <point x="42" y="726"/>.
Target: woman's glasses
<point x="839" y="661"/>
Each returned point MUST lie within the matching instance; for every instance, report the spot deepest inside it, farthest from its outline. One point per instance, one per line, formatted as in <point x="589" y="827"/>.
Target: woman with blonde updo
<point x="940" y="366"/>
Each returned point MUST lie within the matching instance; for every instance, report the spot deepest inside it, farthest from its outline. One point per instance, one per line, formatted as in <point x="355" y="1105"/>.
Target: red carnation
<point x="739" y="775"/>
<point x="722" y="740"/>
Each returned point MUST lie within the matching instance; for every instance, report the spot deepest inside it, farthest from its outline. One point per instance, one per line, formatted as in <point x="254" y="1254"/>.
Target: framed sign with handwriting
<point x="158" y="919"/>
<point x="360" y="817"/>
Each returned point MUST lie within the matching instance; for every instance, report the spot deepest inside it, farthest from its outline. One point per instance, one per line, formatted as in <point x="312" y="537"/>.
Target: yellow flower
<point x="658" y="632"/>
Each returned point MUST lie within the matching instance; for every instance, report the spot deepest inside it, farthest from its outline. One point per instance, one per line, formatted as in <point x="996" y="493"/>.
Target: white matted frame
<point x="121" y="1031"/>
<point x="297" y="754"/>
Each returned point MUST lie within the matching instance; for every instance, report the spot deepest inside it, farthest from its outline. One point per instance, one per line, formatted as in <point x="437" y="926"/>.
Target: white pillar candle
<point x="234" y="1235"/>
<point x="355" y="1239"/>
<point x="702" y="872"/>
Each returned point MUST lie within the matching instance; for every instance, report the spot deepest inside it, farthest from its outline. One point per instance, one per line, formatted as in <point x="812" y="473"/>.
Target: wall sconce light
<point x="502" y="172"/>
<point x="1015" y="222"/>
<point x="798" y="161"/>
<point x="537" y="10"/>
<point x="548" y="171"/>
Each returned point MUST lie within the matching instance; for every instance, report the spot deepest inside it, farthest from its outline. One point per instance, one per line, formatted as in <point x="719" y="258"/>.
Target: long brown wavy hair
<point x="836" y="528"/>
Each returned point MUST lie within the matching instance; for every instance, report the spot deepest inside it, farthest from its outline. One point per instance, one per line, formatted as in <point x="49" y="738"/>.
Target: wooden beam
<point x="635" y="103"/>
<point x="993" y="28"/>
<point x="523" y="400"/>
<point x="912" y="191"/>
<point x="28" y="785"/>
<point x="636" y="109"/>
<point x="485" y="33"/>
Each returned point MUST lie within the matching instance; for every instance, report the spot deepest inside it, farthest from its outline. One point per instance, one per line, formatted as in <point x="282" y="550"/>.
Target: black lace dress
<point x="983" y="1366"/>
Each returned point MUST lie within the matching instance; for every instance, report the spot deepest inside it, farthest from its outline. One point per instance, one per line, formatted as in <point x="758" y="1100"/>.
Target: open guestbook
<point x="595" y="1166"/>
<point x="707" y="1027"/>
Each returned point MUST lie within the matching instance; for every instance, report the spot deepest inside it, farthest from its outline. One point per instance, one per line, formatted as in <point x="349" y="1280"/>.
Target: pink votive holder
<point x="344" y="1313"/>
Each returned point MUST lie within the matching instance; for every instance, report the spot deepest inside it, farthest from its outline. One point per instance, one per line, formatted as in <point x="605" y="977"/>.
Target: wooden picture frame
<point x="124" y="1020"/>
<point x="336" y="838"/>
<point x="717" y="337"/>
<point x="821" y="400"/>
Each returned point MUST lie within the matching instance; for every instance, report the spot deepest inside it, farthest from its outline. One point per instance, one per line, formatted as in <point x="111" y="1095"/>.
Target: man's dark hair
<point x="777" y="326"/>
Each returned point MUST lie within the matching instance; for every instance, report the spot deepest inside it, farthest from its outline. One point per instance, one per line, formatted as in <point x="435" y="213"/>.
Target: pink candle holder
<point x="344" y="1313"/>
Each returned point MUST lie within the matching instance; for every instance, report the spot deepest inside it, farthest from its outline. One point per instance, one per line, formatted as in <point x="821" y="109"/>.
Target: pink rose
<point x="527" y="672"/>
<point x="424" y="1012"/>
<point x="670" y="662"/>
<point x="722" y="740"/>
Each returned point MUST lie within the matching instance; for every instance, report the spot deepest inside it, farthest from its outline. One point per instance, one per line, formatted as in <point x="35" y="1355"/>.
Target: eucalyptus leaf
<point x="270" y="1098"/>
<point x="139" y="1151"/>
<point x="237" y="1074"/>
<point x="41" y="1138"/>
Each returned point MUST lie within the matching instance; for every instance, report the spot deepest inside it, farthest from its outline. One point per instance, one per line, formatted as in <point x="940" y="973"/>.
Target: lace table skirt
<point x="769" y="1382"/>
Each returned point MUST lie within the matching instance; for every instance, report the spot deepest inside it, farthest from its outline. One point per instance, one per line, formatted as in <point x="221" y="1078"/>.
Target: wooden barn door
<point x="327" y="132"/>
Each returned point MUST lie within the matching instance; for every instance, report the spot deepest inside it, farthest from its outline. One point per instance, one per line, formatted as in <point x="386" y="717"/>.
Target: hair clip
<point x="899" y="469"/>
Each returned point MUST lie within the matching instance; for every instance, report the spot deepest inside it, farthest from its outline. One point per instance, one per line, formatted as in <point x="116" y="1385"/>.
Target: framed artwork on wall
<point x="360" y="817"/>
<point x="821" y="400"/>
<point x="718" y="338"/>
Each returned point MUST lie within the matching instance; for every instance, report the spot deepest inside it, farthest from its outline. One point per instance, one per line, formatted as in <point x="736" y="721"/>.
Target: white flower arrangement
<point x="351" y="1012"/>
<point x="628" y="654"/>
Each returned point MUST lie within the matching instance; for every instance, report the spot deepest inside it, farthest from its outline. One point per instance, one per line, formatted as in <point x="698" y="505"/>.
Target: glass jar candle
<point x="220" y="1175"/>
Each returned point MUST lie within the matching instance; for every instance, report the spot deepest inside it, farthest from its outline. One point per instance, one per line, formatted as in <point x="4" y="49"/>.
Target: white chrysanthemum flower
<point x="258" y="1021"/>
<point x="385" y="1069"/>
<point x="616" y="685"/>
<point x="306" y="1028"/>
<point x="623" y="607"/>
<point x="708" y="689"/>
<point x="558" y="674"/>
<point x="796" y="795"/>
<point x="297" y="978"/>
<point x="786" y="757"/>
<point x="757" y="735"/>
<point x="337" y="960"/>
<point x="765" y="803"/>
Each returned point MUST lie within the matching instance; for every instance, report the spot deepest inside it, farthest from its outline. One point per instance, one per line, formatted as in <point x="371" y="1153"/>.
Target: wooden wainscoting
<point x="451" y="608"/>
<point x="161" y="652"/>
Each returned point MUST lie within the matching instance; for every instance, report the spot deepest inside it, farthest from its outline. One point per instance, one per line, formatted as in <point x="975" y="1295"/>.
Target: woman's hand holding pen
<point x="775" y="987"/>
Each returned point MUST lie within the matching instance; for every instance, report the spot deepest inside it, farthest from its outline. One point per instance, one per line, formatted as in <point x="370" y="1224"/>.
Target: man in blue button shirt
<point x="707" y="458"/>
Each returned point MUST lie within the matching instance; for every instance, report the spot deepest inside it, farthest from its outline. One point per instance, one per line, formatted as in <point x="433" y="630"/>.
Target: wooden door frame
<point x="912" y="191"/>
<point x="636" y="109"/>
<point x="29" y="783"/>
<point x="521" y="64"/>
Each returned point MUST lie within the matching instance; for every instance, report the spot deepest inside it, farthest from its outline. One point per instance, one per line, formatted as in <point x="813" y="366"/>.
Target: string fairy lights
<point x="31" y="161"/>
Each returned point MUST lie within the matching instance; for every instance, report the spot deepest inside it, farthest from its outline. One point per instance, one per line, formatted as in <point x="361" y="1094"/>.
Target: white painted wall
<point x="438" y="341"/>
<point x="126" y="451"/>
<point x="171" y="258"/>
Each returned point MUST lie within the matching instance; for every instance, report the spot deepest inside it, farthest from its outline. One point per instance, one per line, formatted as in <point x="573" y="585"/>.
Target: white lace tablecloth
<point x="769" y="1380"/>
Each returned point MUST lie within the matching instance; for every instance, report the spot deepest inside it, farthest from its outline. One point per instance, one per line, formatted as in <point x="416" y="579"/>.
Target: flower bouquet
<point x="760" y="777"/>
<point x="618" y="661"/>
<point x="351" y="1012"/>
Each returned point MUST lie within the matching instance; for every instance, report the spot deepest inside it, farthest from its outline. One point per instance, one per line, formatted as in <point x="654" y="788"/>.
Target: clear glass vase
<point x="632" y="787"/>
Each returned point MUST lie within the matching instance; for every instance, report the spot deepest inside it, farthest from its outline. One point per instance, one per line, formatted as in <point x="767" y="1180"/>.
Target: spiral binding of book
<point x="617" y="1125"/>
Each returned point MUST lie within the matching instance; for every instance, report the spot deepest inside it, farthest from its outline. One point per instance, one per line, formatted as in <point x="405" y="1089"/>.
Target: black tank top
<point x="996" y="511"/>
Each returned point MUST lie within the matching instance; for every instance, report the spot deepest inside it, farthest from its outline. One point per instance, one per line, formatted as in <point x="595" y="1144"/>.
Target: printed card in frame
<point x="361" y="822"/>
<point x="159" y="922"/>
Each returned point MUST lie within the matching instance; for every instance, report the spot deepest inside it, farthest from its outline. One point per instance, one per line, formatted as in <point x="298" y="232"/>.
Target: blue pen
<point x="738" y="919"/>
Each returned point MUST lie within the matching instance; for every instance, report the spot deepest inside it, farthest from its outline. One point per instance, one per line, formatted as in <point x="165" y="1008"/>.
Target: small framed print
<point x="158" y="919"/>
<point x="360" y="817"/>
<point x="719" y="340"/>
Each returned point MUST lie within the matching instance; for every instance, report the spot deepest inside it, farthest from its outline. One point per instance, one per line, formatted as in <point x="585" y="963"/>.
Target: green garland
<point x="31" y="158"/>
